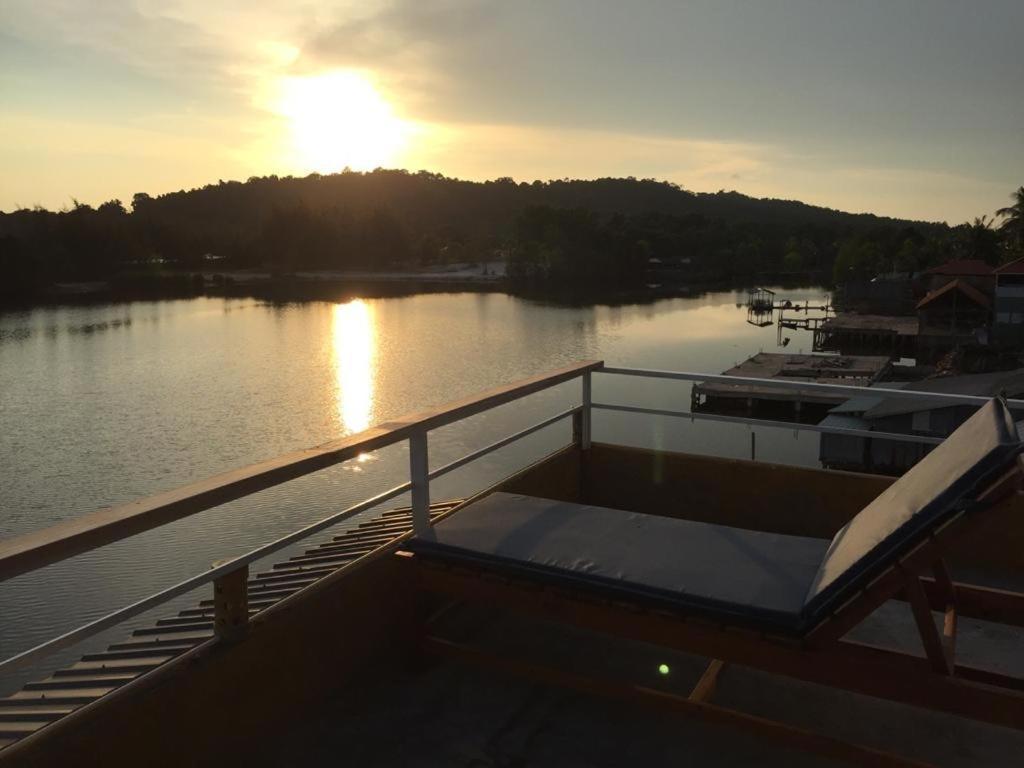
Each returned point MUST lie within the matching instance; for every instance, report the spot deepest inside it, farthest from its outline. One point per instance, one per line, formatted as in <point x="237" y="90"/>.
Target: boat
<point x="604" y="605"/>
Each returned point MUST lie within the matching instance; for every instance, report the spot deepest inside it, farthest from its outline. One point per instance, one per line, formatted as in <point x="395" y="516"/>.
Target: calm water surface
<point x="100" y="405"/>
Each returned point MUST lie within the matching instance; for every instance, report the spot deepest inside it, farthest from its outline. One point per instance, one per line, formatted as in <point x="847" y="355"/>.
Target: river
<point x="103" y="404"/>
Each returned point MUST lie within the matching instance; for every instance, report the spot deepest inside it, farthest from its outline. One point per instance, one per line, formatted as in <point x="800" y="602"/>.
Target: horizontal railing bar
<point x="64" y="540"/>
<point x="768" y="423"/>
<point x="123" y="614"/>
<point x="451" y="466"/>
<point x="837" y="389"/>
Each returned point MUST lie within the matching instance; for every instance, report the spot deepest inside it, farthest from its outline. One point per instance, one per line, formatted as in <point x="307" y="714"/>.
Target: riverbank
<point x="344" y="285"/>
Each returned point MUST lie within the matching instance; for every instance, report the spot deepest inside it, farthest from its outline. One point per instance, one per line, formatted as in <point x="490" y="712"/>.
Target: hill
<point x="587" y="234"/>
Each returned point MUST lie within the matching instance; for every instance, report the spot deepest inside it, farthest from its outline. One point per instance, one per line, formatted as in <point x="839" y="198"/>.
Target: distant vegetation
<point x="558" y="236"/>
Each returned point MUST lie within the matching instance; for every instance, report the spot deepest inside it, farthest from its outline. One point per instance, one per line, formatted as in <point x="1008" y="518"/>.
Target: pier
<point x="762" y="306"/>
<point x="750" y="398"/>
<point x="894" y="334"/>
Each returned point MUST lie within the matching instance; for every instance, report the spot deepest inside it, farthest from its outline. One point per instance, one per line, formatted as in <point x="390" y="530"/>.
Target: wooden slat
<point x="114" y="665"/>
<point x="21" y="728"/>
<point x="64" y="540"/>
<point x="69" y="682"/>
<point x="34" y="712"/>
<point x="61" y="696"/>
<point x="96" y="674"/>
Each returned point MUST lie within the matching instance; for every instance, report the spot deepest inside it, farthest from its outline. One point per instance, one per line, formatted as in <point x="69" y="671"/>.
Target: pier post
<point x="418" y="476"/>
<point x="231" y="605"/>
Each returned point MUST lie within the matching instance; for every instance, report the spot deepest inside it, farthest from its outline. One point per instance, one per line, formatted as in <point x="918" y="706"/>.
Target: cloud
<point x="848" y="106"/>
<point x="144" y="38"/>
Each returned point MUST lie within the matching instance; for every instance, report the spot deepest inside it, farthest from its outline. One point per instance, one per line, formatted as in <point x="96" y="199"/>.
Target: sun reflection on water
<point x="354" y="342"/>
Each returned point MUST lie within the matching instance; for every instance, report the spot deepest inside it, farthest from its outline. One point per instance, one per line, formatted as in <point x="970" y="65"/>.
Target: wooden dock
<point x="747" y="398"/>
<point x="762" y="306"/>
<point x="42" y="702"/>
<point x="894" y="334"/>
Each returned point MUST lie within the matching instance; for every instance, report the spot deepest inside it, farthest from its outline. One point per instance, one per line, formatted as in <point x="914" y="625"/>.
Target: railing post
<point x="585" y="414"/>
<point x="231" y="605"/>
<point x="418" y="471"/>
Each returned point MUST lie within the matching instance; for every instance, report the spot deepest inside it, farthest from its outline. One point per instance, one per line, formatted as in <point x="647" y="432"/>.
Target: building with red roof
<point x="961" y="268"/>
<point x="956" y="311"/>
<point x="1008" y="325"/>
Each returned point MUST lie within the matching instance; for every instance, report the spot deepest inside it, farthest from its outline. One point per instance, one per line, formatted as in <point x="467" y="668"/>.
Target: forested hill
<point x="424" y="200"/>
<point x="601" y="232"/>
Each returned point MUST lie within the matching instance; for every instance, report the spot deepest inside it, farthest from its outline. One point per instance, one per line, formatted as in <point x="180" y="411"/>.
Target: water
<point x="100" y="405"/>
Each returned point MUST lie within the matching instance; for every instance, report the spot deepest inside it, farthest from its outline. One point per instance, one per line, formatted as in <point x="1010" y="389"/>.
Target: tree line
<point x="593" y="235"/>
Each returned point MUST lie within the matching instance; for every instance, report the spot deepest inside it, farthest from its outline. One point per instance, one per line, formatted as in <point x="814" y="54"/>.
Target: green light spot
<point x="663" y="669"/>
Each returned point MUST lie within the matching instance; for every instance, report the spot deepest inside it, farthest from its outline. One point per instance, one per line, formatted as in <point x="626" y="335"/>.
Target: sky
<point x="909" y="108"/>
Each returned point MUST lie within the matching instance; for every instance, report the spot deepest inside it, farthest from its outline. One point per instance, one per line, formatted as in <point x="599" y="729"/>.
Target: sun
<point x="338" y="119"/>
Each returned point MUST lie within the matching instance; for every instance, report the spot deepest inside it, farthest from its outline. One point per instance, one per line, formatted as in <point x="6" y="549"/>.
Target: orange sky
<point x="864" y="107"/>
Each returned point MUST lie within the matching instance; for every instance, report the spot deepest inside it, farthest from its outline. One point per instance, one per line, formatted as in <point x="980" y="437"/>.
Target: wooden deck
<point x="42" y="702"/>
<point x="848" y="370"/>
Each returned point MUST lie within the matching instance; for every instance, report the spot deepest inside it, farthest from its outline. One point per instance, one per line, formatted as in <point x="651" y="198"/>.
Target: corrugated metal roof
<point x="843" y="421"/>
<point x="1015" y="267"/>
<point x="981" y="384"/>
<point x="961" y="267"/>
<point x="862" y="403"/>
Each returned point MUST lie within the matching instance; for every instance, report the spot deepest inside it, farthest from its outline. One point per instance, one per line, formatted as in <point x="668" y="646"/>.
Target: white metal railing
<point x="935" y="398"/>
<point x="32" y="551"/>
<point x="35" y="550"/>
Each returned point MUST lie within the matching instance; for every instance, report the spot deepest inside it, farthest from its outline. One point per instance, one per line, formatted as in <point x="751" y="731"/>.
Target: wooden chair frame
<point x="822" y="656"/>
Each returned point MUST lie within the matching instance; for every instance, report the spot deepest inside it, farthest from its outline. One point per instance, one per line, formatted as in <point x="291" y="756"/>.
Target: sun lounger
<point x="780" y="603"/>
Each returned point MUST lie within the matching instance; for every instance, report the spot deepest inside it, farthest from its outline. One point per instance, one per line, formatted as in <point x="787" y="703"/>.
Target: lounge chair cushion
<point x="927" y="495"/>
<point x="753" y="577"/>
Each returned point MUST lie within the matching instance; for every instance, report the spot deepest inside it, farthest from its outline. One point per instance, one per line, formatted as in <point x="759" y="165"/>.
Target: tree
<point x="1012" y="227"/>
<point x="978" y="240"/>
<point x="858" y="259"/>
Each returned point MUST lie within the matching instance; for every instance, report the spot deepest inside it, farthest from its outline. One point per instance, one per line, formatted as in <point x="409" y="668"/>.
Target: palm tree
<point x="981" y="241"/>
<point x="1013" y="222"/>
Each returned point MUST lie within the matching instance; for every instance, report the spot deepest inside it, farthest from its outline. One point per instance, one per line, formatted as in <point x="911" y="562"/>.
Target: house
<point x="876" y="413"/>
<point x="956" y="313"/>
<point x="1008" y="325"/>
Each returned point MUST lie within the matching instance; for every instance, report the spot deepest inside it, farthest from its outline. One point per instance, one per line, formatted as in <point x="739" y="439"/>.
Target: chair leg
<point x="936" y="647"/>
<point x="708" y="680"/>
<point x="945" y="583"/>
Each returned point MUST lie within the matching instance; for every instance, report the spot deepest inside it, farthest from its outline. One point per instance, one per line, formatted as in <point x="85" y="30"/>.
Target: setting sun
<point x="338" y="119"/>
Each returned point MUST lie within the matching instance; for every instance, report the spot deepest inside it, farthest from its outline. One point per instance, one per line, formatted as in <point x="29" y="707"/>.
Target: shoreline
<point x="334" y="286"/>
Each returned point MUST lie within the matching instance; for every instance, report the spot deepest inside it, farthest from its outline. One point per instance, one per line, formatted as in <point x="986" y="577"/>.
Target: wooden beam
<point x="705" y="687"/>
<point x="35" y="550"/>
<point x="883" y="673"/>
<point x="1001" y="606"/>
<point x="944" y="582"/>
<point x="772" y="730"/>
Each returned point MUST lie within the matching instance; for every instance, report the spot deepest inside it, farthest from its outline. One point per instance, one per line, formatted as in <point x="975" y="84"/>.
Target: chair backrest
<point x="927" y="495"/>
